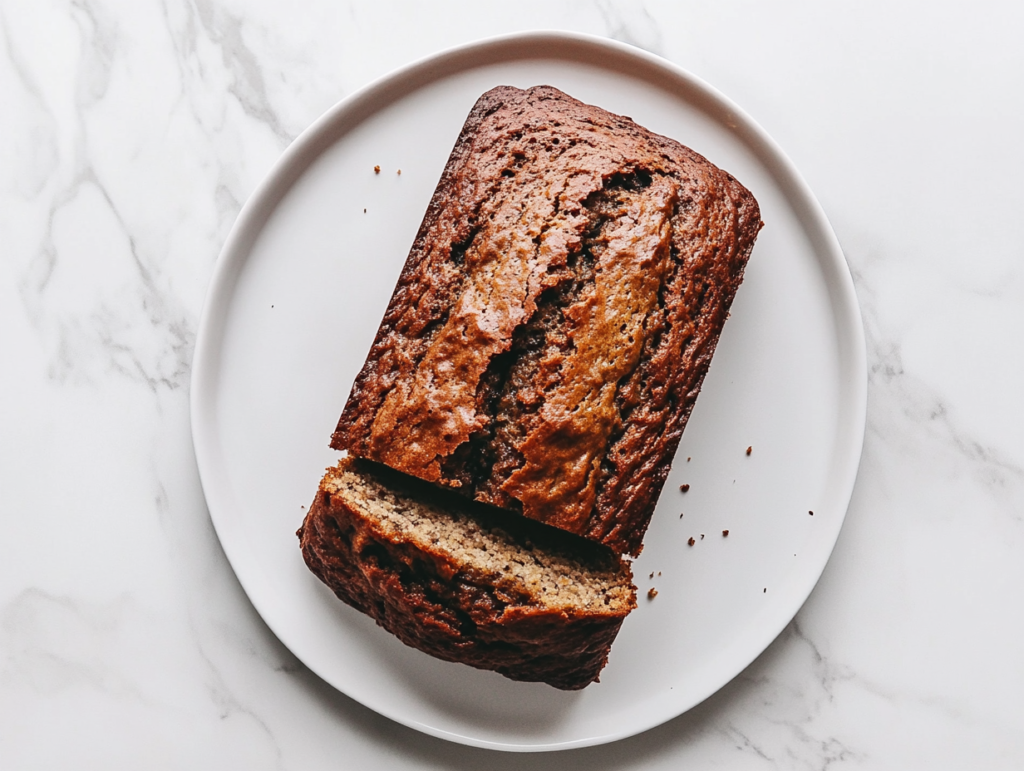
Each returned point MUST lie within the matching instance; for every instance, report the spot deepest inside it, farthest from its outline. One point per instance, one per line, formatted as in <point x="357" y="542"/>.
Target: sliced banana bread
<point x="463" y="581"/>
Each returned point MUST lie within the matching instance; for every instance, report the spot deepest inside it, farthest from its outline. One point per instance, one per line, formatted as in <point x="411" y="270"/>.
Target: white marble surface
<point x="130" y="134"/>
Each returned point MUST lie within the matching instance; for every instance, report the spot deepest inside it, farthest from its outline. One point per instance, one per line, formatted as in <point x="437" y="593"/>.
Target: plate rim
<point x="353" y="109"/>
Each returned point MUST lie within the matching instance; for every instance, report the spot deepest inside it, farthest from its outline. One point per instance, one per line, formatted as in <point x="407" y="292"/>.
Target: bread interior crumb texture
<point x="551" y="575"/>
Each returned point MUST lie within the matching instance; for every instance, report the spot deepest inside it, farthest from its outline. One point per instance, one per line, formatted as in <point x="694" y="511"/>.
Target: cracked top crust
<point x="555" y="317"/>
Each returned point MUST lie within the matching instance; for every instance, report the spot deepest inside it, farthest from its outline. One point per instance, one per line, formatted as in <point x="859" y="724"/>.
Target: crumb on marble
<point x="725" y="534"/>
<point x="750" y="449"/>
<point x="684" y="488"/>
<point x="652" y="593"/>
<point x="376" y="169"/>
<point x="691" y="542"/>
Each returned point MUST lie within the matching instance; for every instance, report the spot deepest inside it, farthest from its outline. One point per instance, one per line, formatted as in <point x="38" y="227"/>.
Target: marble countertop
<point x="132" y="132"/>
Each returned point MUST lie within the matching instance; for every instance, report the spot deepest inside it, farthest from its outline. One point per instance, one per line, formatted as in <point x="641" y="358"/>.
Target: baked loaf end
<point x="555" y="317"/>
<point x="464" y="583"/>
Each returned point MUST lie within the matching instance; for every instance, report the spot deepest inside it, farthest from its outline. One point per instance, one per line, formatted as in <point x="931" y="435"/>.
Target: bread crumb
<point x="364" y="211"/>
<point x="765" y="590"/>
<point x="651" y="575"/>
<point x="691" y="541"/>
<point x="680" y="516"/>
<point x="725" y="534"/>
<point x="659" y="572"/>
<point x="702" y="536"/>
<point x="652" y="593"/>
<point x="684" y="488"/>
<point x="399" y="172"/>
<point x="687" y="460"/>
<point x="750" y="449"/>
<point x="811" y="513"/>
<point x="376" y="169"/>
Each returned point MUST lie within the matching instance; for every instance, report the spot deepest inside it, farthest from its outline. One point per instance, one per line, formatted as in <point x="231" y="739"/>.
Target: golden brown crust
<point x="556" y="315"/>
<point x="429" y="602"/>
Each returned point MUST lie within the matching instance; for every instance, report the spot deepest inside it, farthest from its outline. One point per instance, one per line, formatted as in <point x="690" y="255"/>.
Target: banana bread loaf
<point x="555" y="317"/>
<point x="464" y="582"/>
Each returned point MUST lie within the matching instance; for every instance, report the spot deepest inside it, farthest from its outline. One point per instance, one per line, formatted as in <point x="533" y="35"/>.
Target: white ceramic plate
<point x="294" y="303"/>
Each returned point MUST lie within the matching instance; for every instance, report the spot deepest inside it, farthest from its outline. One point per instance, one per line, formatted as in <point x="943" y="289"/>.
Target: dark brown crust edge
<point x="354" y="406"/>
<point x="626" y="504"/>
<point x="404" y="590"/>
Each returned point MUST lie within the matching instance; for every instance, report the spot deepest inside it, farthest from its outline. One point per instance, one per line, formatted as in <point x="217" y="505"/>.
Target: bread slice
<point x="556" y="315"/>
<point x="465" y="582"/>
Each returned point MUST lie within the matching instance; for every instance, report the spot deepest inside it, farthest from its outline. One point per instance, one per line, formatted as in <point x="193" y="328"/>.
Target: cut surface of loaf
<point x="555" y="317"/>
<point x="464" y="582"/>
